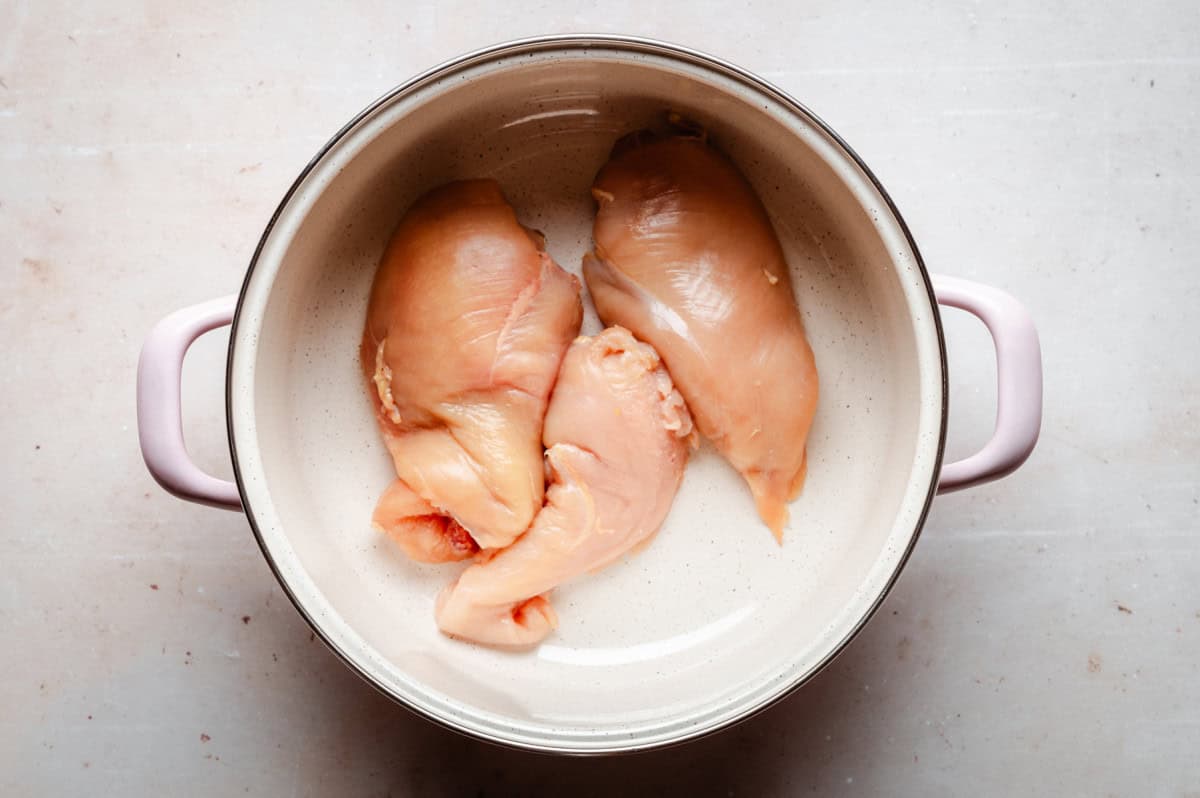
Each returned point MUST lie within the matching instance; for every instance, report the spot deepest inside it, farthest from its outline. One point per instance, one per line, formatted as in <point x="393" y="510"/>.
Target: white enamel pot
<point x="712" y="622"/>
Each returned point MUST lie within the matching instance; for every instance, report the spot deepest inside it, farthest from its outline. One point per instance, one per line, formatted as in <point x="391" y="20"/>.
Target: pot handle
<point x="160" y="414"/>
<point x="1018" y="380"/>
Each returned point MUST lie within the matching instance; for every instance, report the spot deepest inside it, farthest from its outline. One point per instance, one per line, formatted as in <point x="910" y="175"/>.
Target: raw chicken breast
<point x="686" y="258"/>
<point x="422" y="532"/>
<point x="617" y="435"/>
<point x="467" y="325"/>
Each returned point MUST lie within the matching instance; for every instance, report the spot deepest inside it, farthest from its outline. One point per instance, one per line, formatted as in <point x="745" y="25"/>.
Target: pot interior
<point x="713" y="619"/>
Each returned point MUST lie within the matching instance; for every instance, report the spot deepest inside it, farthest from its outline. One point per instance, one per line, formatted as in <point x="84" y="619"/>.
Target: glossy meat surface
<point x="617" y="435"/>
<point x="467" y="325"/>
<point x="686" y="258"/>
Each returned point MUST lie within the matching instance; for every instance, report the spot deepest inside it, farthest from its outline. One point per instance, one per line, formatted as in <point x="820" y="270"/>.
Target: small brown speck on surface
<point x="1093" y="663"/>
<point x="40" y="270"/>
<point x="89" y="717"/>
<point x="313" y="635"/>
<point x="1124" y="609"/>
<point x="204" y="737"/>
<point x="37" y="446"/>
<point x="245" y="619"/>
<point x="87" y="764"/>
<point x="154" y="587"/>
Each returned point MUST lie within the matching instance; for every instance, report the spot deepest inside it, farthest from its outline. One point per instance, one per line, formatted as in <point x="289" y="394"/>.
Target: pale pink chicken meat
<point x="617" y="436"/>
<point x="421" y="531"/>
<point x="686" y="258"/>
<point x="467" y="325"/>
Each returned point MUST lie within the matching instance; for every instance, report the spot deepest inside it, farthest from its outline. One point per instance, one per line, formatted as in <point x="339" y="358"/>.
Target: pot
<point x="714" y="621"/>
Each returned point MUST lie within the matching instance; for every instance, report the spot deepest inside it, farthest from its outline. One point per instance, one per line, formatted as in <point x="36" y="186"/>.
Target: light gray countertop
<point x="1045" y="636"/>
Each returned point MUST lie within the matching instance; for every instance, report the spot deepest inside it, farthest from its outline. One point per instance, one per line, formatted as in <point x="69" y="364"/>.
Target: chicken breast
<point x="686" y="258"/>
<point x="467" y="325"/>
<point x="617" y="435"/>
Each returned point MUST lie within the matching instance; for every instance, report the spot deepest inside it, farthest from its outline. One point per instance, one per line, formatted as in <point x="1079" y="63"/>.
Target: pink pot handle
<point x="159" y="413"/>
<point x="1018" y="379"/>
